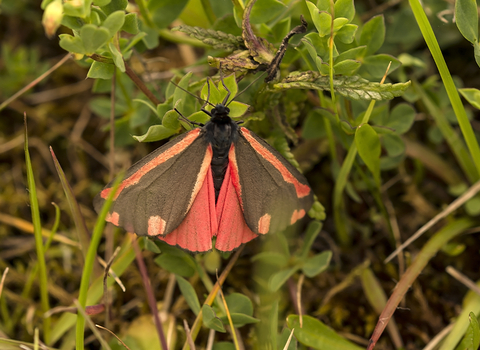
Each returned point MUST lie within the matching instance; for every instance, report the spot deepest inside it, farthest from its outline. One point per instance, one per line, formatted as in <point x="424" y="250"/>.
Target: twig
<point x="35" y="82"/>
<point x="109" y="331"/>
<point x="189" y="335"/>
<point x="472" y="191"/>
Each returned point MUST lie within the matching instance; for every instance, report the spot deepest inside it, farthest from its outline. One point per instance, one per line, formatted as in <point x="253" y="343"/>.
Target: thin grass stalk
<point x="37" y="225"/>
<point x="212" y="295"/>
<point x="452" y="92"/>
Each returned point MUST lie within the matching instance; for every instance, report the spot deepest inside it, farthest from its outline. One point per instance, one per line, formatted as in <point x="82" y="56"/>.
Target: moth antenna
<point x="225" y="100"/>
<point x="185" y="119"/>
<point x="248" y="86"/>
<point x="208" y="95"/>
<point x="188" y="92"/>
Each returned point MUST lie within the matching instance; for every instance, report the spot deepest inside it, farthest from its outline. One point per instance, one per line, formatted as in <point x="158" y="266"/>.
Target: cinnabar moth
<point x="219" y="180"/>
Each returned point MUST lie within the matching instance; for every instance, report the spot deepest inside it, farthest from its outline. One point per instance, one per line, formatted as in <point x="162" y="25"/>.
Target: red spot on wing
<point x="152" y="164"/>
<point x="113" y="218"/>
<point x="297" y="215"/>
<point x="200" y="225"/>
<point x="264" y="224"/>
<point x="156" y="225"/>
<point x="301" y="189"/>
<point x="233" y="231"/>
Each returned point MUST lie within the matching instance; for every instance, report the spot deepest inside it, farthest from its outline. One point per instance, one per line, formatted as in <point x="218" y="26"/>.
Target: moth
<point x="218" y="180"/>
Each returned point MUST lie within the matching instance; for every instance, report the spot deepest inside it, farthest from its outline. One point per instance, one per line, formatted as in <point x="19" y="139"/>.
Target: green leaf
<point x="117" y="57"/>
<point x="176" y="263"/>
<point x="131" y="24"/>
<point x="347" y="33"/>
<point x="338" y="23"/>
<point x="165" y="12"/>
<point x="321" y="19"/>
<point x="471" y="339"/>
<point x="273" y="258"/>
<point x="82" y="11"/>
<point x="312" y="232"/>
<point x="393" y="144"/>
<point x="210" y="320"/>
<point x="373" y="34"/>
<point x="466" y="17"/>
<point x="317" y="335"/>
<point x="114" y="22"/>
<point x="314" y="125"/>
<point x="345" y="8"/>
<point x="353" y="54"/>
<point x="189" y="294"/>
<point x="155" y="133"/>
<point x="231" y="85"/>
<point x="237" y="109"/>
<point x="116" y="5"/>
<point x="472" y="207"/>
<point x="239" y="303"/>
<point x="377" y="65"/>
<point x="199" y="117"/>
<point x="100" y="70"/>
<point x="317" y="264"/>
<point x="211" y="94"/>
<point x="101" y="2"/>
<point x="170" y="120"/>
<point x="476" y="47"/>
<point x="401" y="118"/>
<point x="184" y="101"/>
<point x="279" y="278"/>
<point x="239" y="320"/>
<point x="369" y="149"/>
<point x="71" y="43"/>
<point x="149" y="245"/>
<point x="93" y="38"/>
<point x="266" y="10"/>
<point x="346" y="67"/>
<point x="316" y="45"/>
<point x="472" y="96"/>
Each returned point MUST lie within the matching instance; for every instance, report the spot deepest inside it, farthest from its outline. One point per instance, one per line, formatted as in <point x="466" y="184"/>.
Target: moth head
<point x="220" y="111"/>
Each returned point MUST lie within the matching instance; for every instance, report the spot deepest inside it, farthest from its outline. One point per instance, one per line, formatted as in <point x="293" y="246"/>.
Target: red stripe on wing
<point x="161" y="158"/>
<point x="301" y="189"/>
<point x="196" y="231"/>
<point x="233" y="231"/>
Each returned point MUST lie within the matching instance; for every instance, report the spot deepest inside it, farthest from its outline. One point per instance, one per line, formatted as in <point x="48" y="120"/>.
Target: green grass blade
<point x="456" y="144"/>
<point x="43" y="281"/>
<point x="452" y="92"/>
<point x="82" y="230"/>
<point x="89" y="262"/>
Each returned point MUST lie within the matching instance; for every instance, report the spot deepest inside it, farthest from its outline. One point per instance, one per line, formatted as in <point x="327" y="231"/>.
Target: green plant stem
<point x="430" y="249"/>
<point x="43" y="281"/>
<point x="142" y="6"/>
<point x="452" y="92"/>
<point x="341" y="182"/>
